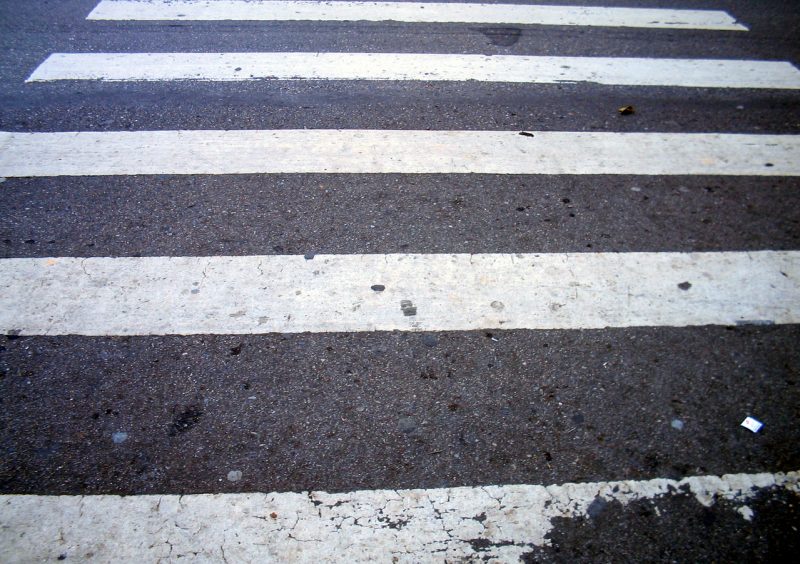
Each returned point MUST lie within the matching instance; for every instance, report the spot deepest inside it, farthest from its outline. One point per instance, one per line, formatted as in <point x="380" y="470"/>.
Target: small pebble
<point x="677" y="424"/>
<point x="234" y="475"/>
<point x="119" y="437"/>
<point x="407" y="424"/>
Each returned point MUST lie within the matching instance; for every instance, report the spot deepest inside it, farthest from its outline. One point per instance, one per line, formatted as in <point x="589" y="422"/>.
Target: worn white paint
<point x="285" y="293"/>
<point x="395" y="151"/>
<point x="417" y="66"/>
<point x="364" y="526"/>
<point x="418" y="12"/>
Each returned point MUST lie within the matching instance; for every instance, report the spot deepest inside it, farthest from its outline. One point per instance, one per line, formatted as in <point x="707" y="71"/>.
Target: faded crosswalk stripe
<point x="711" y="73"/>
<point x="493" y="522"/>
<point x="323" y="293"/>
<point x="518" y="14"/>
<point x="395" y="151"/>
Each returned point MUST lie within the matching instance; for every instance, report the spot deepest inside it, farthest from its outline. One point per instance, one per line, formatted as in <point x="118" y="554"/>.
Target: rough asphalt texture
<point x="397" y="410"/>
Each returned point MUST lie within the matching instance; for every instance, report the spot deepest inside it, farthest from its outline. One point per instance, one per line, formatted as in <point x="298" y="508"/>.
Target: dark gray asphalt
<point x="396" y="410"/>
<point x="297" y="214"/>
<point x="678" y="530"/>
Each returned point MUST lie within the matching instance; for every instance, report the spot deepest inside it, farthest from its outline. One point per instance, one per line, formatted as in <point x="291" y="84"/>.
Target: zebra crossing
<point x="416" y="524"/>
<point x="414" y="12"/>
<point x="492" y="296"/>
<point x="396" y="151"/>
<point x="266" y="294"/>
<point x="695" y="73"/>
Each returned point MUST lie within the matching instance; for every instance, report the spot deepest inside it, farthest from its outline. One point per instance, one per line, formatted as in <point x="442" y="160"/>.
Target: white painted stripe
<point x="264" y="294"/>
<point x="518" y="14"/>
<point x="364" y="526"/>
<point x="417" y="66"/>
<point x="395" y="151"/>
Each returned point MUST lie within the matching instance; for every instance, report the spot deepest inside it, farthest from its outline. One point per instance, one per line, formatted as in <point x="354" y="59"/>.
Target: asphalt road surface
<point x="403" y="412"/>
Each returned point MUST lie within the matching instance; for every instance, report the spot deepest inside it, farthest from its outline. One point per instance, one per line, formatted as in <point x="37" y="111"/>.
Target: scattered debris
<point x="377" y="287"/>
<point x="745" y="512"/>
<point x="428" y="374"/>
<point x="677" y="424"/>
<point x="626" y="110"/>
<point x="526" y="134"/>
<point x="752" y="424"/>
<point x="119" y="437"/>
<point x="309" y="256"/>
<point x="684" y="285"/>
<point x="183" y="420"/>
<point x="234" y="475"/>
<point x="273" y="515"/>
<point x="408" y="308"/>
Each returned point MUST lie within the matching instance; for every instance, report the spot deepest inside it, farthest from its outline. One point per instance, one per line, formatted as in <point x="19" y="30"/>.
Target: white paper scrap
<point x="752" y="424"/>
